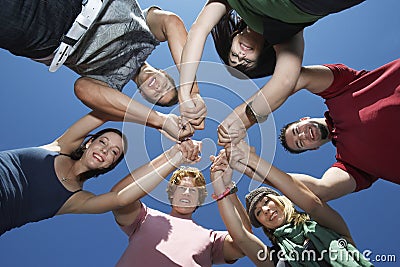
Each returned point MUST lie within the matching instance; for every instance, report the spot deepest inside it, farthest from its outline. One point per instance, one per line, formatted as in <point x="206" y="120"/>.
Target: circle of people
<point x="41" y="182"/>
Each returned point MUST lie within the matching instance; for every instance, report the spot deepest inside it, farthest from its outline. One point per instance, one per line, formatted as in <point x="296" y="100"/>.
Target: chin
<point x="185" y="210"/>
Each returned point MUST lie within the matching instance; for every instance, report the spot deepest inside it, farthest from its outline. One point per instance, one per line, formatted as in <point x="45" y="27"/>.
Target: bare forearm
<point x="118" y="106"/>
<point x="241" y="112"/>
<point x="229" y="214"/>
<point x="241" y="211"/>
<point x="191" y="55"/>
<point x="286" y="74"/>
<point x="145" y="183"/>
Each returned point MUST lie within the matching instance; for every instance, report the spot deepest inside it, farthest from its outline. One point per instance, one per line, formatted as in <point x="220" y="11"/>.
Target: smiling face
<point x="101" y="152"/>
<point x="185" y="198"/>
<point x="156" y="86"/>
<point x="269" y="214"/>
<point x="246" y="48"/>
<point x="306" y="134"/>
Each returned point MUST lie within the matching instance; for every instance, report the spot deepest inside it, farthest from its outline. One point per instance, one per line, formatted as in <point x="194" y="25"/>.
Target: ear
<point x="305" y="118"/>
<point x="88" y="143"/>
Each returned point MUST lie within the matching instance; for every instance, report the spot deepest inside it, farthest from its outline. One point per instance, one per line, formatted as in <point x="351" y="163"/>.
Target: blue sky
<point x="37" y="106"/>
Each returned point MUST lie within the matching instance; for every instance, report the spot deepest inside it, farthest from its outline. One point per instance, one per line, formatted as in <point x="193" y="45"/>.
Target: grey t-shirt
<point x="115" y="46"/>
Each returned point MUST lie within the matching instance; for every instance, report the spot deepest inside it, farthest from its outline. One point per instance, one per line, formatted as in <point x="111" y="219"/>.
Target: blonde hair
<point x="198" y="181"/>
<point x="291" y="215"/>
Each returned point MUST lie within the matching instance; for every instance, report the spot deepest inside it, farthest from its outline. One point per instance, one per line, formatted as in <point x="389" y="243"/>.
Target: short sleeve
<point x="217" y="240"/>
<point x="146" y="11"/>
<point x="363" y="179"/>
<point x="130" y="229"/>
<point x="342" y="76"/>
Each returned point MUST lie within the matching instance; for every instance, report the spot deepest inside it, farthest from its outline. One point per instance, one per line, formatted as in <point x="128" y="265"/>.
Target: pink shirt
<point x="365" y="111"/>
<point x="159" y="239"/>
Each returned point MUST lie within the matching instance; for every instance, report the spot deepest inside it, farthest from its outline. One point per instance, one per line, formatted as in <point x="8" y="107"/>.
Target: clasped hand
<point x="231" y="130"/>
<point x="193" y="112"/>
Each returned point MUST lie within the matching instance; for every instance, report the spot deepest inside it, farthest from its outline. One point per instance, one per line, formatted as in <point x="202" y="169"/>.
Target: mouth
<point x="98" y="157"/>
<point x="273" y="215"/>
<point x="152" y="81"/>
<point x="311" y="134"/>
<point x="245" y="47"/>
<point x="184" y="200"/>
<point x="314" y="133"/>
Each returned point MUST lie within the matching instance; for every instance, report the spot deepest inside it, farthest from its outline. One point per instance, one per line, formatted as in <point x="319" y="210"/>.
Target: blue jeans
<point x="33" y="28"/>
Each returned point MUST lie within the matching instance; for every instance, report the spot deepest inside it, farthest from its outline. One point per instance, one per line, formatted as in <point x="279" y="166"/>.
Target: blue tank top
<point x="29" y="188"/>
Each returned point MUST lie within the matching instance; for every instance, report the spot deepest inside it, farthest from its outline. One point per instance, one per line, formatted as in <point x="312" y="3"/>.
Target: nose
<point x="104" y="150"/>
<point x="265" y="209"/>
<point x="187" y="191"/>
<point x="302" y="135"/>
<point x="241" y="55"/>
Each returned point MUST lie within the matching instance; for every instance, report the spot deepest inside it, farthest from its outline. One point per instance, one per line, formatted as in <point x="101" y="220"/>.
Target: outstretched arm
<point x="118" y="106"/>
<point x="135" y="185"/>
<point x="272" y="95"/>
<point x="73" y="137"/>
<point x="233" y="129"/>
<point x="232" y="214"/>
<point x="192" y="52"/>
<point x="294" y="189"/>
<point x="167" y="26"/>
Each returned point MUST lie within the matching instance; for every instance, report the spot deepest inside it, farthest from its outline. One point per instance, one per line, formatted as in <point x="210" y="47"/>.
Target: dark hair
<point x="282" y="139"/>
<point x="223" y="33"/>
<point x="77" y="153"/>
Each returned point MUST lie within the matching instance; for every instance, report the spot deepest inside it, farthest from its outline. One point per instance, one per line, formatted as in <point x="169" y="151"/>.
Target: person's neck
<point x="175" y="213"/>
<point x="70" y="171"/>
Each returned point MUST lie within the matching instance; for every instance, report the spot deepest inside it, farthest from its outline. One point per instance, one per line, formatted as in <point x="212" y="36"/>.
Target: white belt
<point x="90" y="10"/>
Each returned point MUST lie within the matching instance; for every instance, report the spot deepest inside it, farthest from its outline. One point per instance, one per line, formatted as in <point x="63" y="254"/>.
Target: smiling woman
<point x="41" y="182"/>
<point x="313" y="233"/>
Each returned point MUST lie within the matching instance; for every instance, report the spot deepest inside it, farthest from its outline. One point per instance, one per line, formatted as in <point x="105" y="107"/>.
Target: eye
<point x="192" y="190"/>
<point x="102" y="142"/>
<point x="181" y="188"/>
<point x="248" y="61"/>
<point x="234" y="54"/>
<point x="115" y="152"/>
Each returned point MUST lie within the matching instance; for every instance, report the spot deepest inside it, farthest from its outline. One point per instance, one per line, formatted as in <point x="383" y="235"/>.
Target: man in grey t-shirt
<point x="112" y="52"/>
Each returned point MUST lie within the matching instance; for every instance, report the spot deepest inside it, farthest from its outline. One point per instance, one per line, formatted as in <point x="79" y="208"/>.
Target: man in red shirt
<point x="362" y="122"/>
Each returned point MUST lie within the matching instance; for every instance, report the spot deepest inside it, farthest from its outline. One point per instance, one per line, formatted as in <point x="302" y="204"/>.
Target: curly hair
<point x="195" y="174"/>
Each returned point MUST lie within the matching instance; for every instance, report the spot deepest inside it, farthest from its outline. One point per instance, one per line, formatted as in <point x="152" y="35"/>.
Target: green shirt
<point x="253" y="11"/>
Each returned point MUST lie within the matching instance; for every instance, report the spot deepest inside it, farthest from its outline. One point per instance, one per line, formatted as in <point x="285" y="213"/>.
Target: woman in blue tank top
<point x="40" y="182"/>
